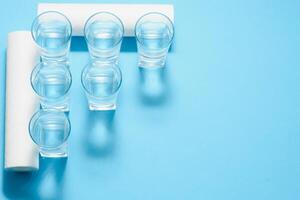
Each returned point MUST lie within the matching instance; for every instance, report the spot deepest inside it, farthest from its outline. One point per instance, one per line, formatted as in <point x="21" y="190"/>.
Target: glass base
<point x="60" y="152"/>
<point x="64" y="107"/>
<point x="151" y="66"/>
<point x="95" y="107"/>
<point x="54" y="58"/>
<point x="145" y="62"/>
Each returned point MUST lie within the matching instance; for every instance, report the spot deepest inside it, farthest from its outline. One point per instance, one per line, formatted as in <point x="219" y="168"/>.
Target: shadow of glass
<point x="129" y="44"/>
<point x="78" y="43"/>
<point x="51" y="178"/>
<point x="154" y="89"/>
<point x="99" y="140"/>
<point x="46" y="183"/>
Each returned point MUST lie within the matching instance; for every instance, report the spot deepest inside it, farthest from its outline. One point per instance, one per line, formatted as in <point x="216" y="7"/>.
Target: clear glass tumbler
<point x="50" y="131"/>
<point x="52" y="32"/>
<point x="103" y="33"/>
<point x="101" y="83"/>
<point x="51" y="82"/>
<point x="154" y="33"/>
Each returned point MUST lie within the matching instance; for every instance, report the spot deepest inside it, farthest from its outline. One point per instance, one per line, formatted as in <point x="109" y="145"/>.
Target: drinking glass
<point x="50" y="131"/>
<point x="51" y="82"/>
<point x="101" y="83"/>
<point x="154" y="33"/>
<point x="52" y="32"/>
<point x="103" y="33"/>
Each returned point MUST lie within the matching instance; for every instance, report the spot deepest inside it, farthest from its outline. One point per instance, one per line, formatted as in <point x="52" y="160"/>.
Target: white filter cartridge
<point x="128" y="13"/>
<point x="21" y="154"/>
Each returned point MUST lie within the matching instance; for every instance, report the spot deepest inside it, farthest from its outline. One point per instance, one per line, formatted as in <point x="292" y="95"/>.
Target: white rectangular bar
<point x="128" y="13"/>
<point x="21" y="154"/>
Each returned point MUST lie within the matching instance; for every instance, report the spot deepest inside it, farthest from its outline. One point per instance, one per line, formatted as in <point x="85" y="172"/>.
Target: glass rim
<point x="52" y="111"/>
<point x="103" y="12"/>
<point x="155" y="13"/>
<point x="34" y="70"/>
<point x="53" y="12"/>
<point x="115" y="66"/>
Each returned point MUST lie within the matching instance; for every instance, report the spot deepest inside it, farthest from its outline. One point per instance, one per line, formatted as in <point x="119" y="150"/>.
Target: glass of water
<point x="103" y="33"/>
<point x="51" y="82"/>
<point x="50" y="131"/>
<point x="52" y="32"/>
<point x="154" y="33"/>
<point x="101" y="82"/>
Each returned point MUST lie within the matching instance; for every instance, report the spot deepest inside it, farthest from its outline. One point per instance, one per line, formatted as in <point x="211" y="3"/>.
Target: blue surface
<point x="220" y="122"/>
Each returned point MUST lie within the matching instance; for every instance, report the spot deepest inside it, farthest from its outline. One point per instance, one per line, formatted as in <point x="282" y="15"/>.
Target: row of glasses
<point x="154" y="34"/>
<point x="103" y="31"/>
<point x="101" y="78"/>
<point x="51" y="80"/>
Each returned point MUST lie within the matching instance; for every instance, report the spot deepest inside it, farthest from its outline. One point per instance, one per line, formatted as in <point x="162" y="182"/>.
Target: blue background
<point x="220" y="122"/>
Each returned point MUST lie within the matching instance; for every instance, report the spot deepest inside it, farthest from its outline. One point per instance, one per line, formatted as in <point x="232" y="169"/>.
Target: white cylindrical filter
<point x="128" y="13"/>
<point x="21" y="154"/>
